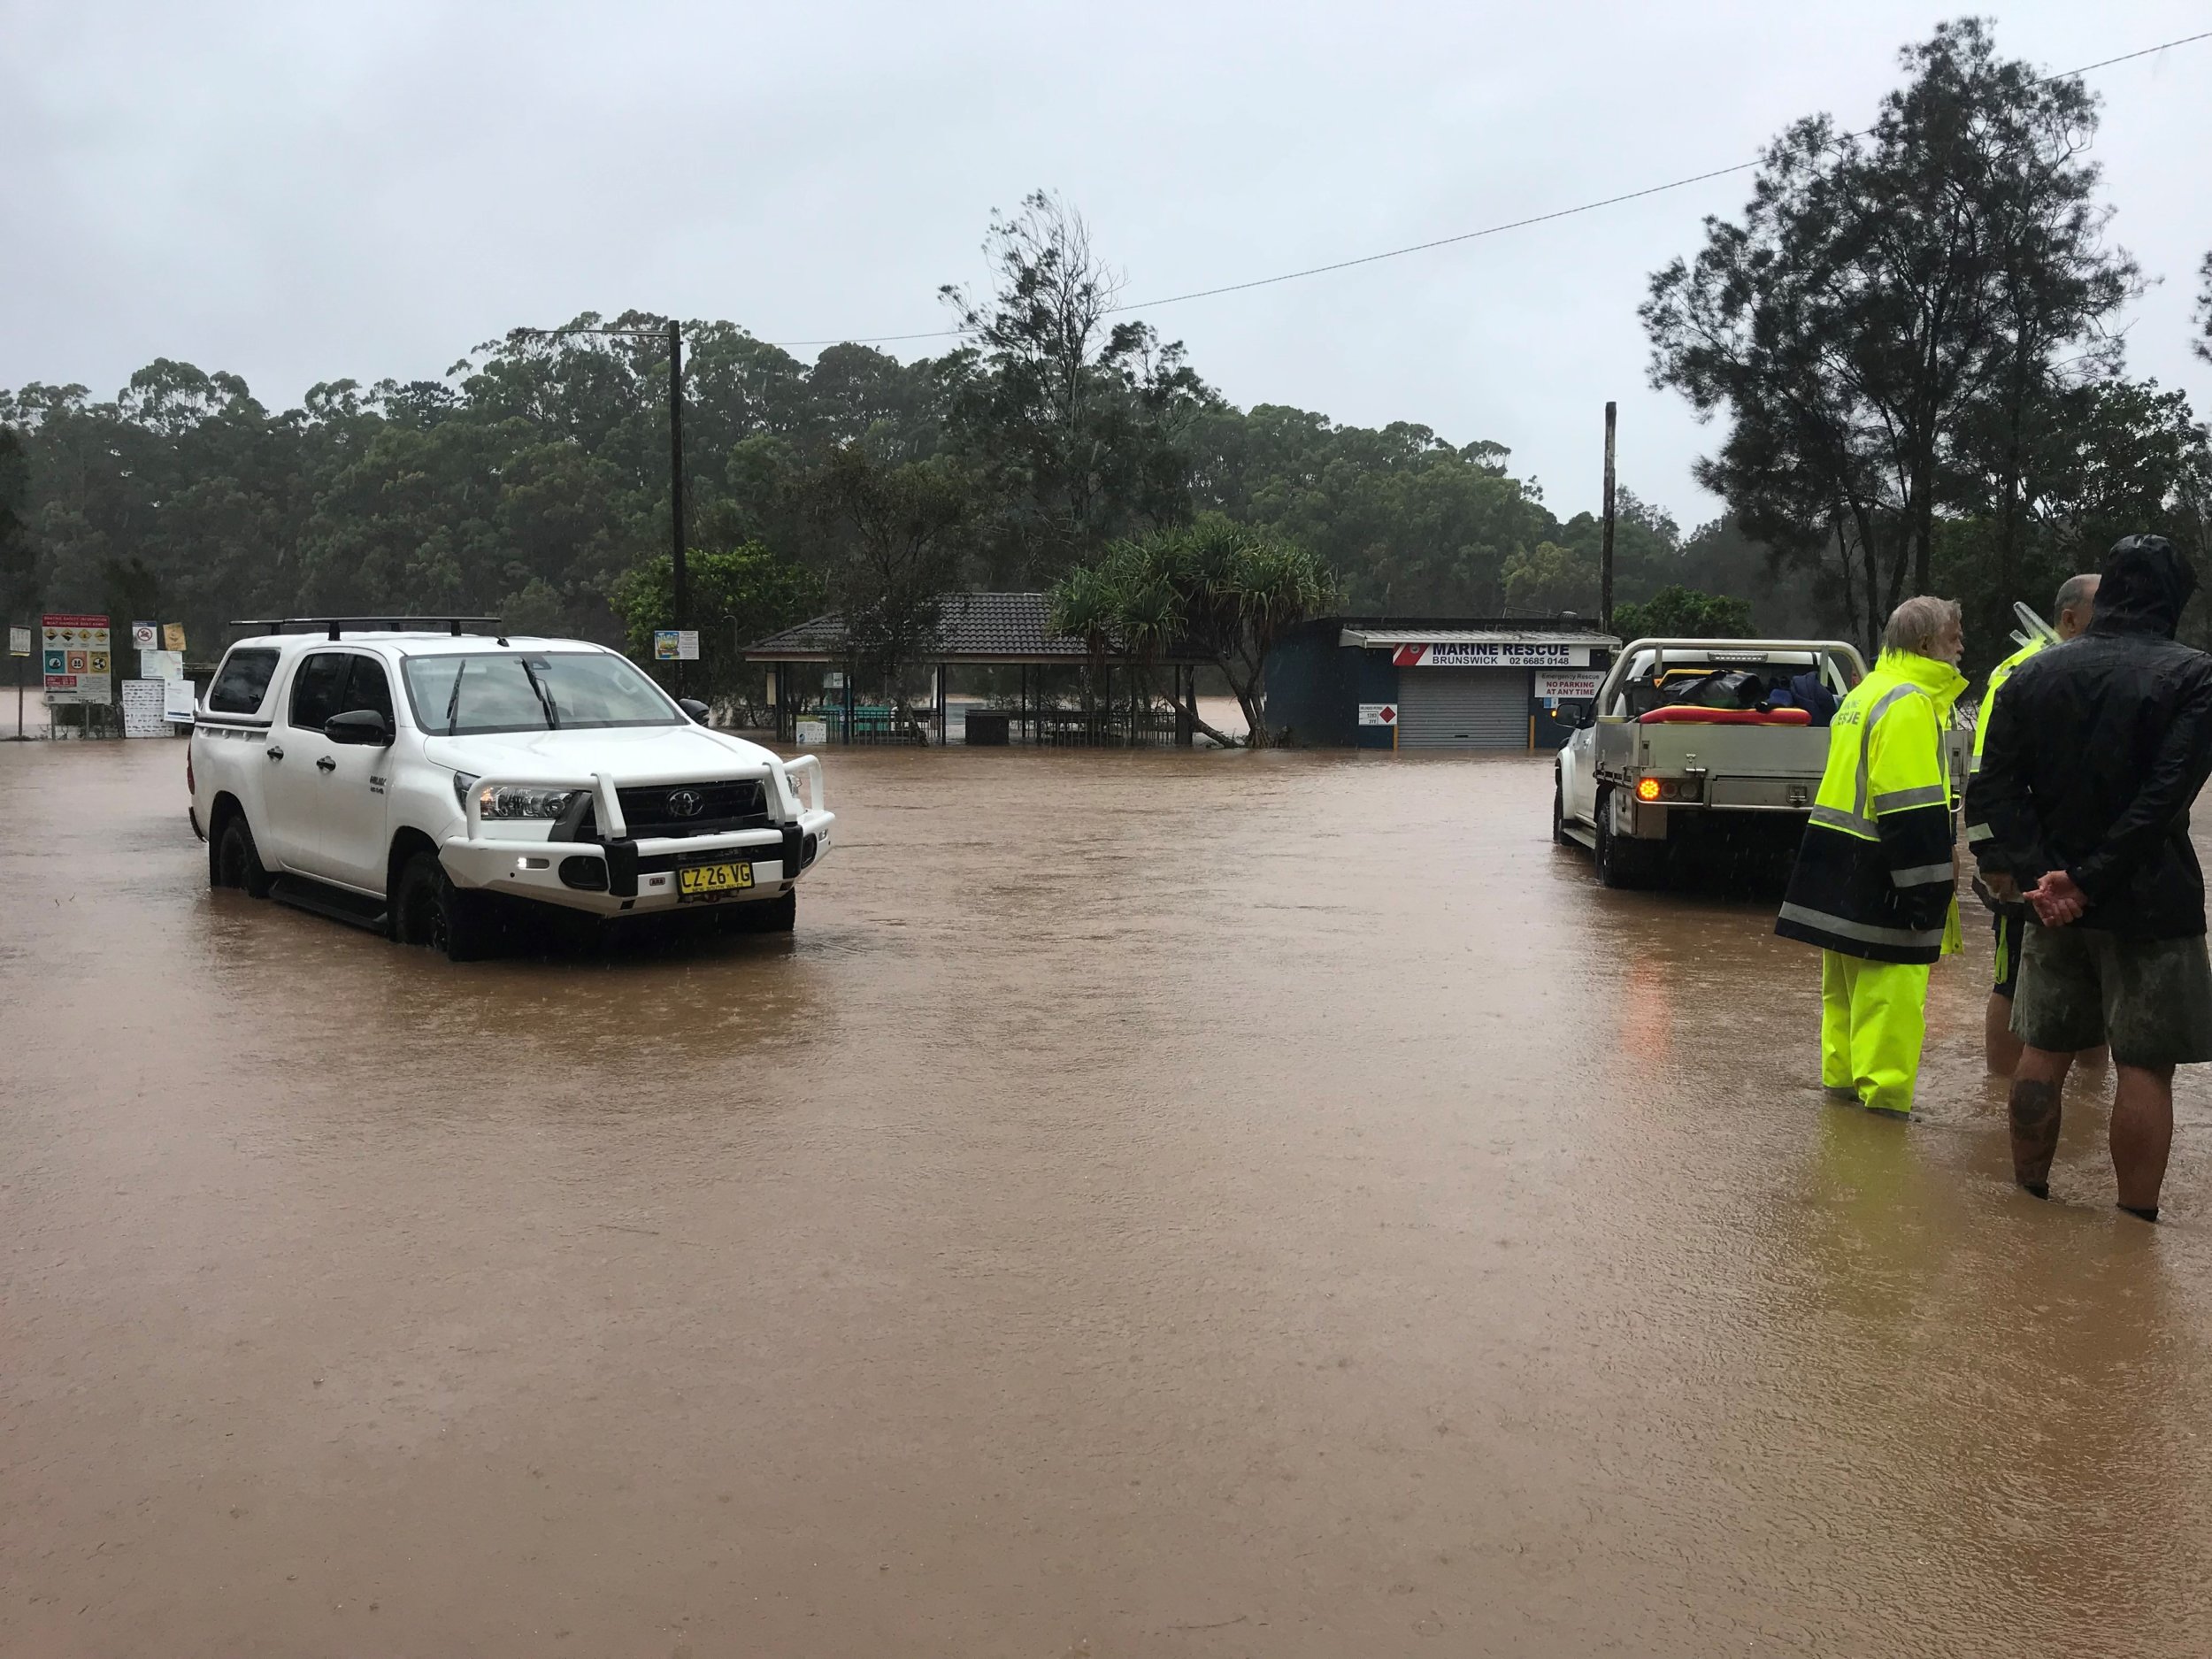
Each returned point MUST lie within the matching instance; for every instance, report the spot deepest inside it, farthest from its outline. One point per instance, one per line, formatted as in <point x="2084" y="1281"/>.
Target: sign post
<point x="19" y="647"/>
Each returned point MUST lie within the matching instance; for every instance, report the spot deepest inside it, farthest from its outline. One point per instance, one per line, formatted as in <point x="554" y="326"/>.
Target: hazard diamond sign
<point x="1377" y="713"/>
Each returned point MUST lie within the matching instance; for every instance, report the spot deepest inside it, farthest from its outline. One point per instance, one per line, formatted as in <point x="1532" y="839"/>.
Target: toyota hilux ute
<point x="413" y="777"/>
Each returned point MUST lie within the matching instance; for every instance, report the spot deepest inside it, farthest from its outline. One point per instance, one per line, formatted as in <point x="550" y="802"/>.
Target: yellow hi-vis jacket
<point x="1980" y="834"/>
<point x="1874" y="876"/>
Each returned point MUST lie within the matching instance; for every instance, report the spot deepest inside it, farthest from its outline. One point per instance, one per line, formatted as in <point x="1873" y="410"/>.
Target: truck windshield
<point x="532" y="691"/>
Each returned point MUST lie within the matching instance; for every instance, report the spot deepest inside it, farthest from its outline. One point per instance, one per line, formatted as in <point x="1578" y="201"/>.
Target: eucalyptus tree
<point x="1073" y="419"/>
<point x="1886" y="295"/>
<point x="896" y="530"/>
<point x="2203" y="344"/>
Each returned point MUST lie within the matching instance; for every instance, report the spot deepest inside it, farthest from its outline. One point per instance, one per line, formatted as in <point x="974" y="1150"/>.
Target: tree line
<point x="1913" y="337"/>
<point x="1909" y="339"/>
<point x="531" y="481"/>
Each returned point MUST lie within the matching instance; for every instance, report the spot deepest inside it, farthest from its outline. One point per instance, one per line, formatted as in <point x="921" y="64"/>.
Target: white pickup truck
<point x="1651" y="772"/>
<point x="413" y="779"/>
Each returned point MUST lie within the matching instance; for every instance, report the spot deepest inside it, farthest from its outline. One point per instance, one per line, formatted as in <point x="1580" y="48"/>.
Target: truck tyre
<point x="1622" y="862"/>
<point x="762" y="915"/>
<point x="236" y="862"/>
<point x="1559" y="809"/>
<point x="429" y="909"/>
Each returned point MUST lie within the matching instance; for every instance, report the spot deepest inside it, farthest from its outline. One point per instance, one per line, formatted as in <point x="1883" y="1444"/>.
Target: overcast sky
<point x="308" y="192"/>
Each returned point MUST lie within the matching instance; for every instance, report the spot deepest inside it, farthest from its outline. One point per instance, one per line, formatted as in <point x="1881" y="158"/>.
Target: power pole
<point x="1605" y="555"/>
<point x="679" y="579"/>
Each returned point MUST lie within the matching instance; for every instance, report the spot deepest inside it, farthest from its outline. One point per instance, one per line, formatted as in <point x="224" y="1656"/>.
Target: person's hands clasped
<point x="2056" y="899"/>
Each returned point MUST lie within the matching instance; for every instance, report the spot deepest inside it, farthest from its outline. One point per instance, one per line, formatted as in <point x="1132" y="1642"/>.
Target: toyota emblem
<point x="684" y="804"/>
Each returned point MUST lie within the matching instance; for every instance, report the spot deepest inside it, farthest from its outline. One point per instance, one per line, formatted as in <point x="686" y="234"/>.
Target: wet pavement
<point x="1157" y="1205"/>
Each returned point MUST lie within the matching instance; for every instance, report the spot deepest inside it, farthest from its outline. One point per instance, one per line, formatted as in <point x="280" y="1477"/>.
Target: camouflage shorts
<point x="2150" y="998"/>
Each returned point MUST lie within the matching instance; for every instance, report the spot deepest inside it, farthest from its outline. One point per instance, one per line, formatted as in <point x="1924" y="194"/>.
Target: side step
<point x="303" y="893"/>
<point x="1583" y="833"/>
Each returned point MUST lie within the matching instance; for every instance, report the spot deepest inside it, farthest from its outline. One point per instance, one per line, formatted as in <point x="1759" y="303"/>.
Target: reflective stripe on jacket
<point x="1874" y="876"/>
<point x="1977" y="831"/>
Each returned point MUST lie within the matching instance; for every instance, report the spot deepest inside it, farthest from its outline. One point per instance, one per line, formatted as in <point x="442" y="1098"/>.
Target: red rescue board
<point x="1684" y="714"/>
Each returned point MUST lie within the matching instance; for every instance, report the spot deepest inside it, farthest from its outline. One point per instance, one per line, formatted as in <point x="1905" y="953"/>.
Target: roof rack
<point x="337" y="625"/>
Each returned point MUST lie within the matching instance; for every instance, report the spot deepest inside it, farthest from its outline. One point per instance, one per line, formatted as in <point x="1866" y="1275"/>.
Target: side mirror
<point x="693" y="707"/>
<point x="365" y="726"/>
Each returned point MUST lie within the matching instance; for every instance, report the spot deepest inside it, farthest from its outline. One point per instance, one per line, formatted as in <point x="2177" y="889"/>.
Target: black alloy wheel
<point x="237" y="861"/>
<point x="428" y="910"/>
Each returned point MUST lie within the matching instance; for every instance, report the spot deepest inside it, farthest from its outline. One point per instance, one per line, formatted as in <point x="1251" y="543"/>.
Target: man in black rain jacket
<point x="2096" y="748"/>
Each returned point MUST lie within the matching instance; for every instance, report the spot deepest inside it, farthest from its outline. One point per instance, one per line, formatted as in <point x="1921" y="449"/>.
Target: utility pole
<point x="1605" y="555"/>
<point x="680" y="581"/>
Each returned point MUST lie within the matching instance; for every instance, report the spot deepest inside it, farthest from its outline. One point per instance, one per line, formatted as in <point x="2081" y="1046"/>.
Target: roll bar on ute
<point x="1730" y="654"/>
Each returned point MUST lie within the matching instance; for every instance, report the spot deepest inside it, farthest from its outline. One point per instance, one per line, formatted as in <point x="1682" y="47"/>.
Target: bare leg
<point x="2142" y="1134"/>
<point x="1998" y="1042"/>
<point x="2036" y="1083"/>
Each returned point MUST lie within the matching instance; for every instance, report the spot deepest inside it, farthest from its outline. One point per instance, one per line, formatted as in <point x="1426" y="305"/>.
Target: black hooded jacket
<point x="2096" y="750"/>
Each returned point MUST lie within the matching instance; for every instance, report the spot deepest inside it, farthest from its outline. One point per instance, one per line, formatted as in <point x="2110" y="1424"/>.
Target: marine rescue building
<point x="1396" y="682"/>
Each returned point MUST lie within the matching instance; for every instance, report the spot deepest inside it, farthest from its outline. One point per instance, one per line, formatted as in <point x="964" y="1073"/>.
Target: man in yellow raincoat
<point x="2070" y="615"/>
<point x="1876" y="886"/>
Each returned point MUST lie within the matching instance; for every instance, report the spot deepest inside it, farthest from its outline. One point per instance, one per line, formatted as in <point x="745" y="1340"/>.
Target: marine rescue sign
<point x="1491" y="653"/>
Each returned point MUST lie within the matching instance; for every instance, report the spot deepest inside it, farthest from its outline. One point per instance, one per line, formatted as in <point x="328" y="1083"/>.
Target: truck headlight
<point x="461" y="782"/>
<point x="522" y="800"/>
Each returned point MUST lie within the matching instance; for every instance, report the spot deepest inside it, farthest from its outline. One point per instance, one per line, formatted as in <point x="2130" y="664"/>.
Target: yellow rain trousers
<point x="1872" y="1020"/>
<point x="1874" y="882"/>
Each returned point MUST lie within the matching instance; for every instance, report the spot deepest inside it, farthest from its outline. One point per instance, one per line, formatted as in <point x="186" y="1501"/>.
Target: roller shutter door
<point x="1462" y="707"/>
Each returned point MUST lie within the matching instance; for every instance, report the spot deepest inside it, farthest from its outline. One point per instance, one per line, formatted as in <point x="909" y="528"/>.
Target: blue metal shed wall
<point x="1314" y="687"/>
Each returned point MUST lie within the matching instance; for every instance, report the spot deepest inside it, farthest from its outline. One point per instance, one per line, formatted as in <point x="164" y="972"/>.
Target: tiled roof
<point x="1001" y="627"/>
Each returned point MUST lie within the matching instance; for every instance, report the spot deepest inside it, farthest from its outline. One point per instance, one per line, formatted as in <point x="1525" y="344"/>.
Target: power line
<point x="1471" y="235"/>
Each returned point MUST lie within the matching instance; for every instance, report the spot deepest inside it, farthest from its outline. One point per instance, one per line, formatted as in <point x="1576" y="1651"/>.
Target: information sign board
<point x="18" y="641"/>
<point x="1570" y="687"/>
<point x="173" y="636"/>
<point x="75" y="652"/>
<point x="146" y="636"/>
<point x="161" y="664"/>
<point x="142" y="709"/>
<point x="675" y="645"/>
<point x="179" y="701"/>
<point x="1378" y="714"/>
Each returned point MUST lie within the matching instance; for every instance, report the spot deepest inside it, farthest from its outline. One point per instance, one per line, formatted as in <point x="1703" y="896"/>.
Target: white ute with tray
<point x="420" y="775"/>
<point x="1647" y="776"/>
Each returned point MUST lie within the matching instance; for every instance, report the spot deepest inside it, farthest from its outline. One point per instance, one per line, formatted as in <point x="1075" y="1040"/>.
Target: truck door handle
<point x="325" y="765"/>
<point x="274" y="753"/>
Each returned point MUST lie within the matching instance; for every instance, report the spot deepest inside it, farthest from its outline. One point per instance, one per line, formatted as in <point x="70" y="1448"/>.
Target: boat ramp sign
<point x="1491" y="653"/>
<point x="1376" y="714"/>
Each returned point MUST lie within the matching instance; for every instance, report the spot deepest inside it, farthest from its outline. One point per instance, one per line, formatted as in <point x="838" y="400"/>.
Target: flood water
<point x="1156" y="1204"/>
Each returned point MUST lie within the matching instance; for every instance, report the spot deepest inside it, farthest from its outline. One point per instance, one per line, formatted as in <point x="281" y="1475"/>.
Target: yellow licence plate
<point x="708" y="882"/>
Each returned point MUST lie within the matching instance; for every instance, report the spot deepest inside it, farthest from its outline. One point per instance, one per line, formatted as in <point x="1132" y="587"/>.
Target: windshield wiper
<point x="453" y="703"/>
<point x="545" y="701"/>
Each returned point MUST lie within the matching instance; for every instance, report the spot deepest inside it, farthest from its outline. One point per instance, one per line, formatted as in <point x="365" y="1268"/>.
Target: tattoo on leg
<point x="2035" y="1120"/>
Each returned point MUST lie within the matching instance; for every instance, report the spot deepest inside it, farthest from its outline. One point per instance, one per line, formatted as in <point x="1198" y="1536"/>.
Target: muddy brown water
<point x="1155" y="1205"/>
